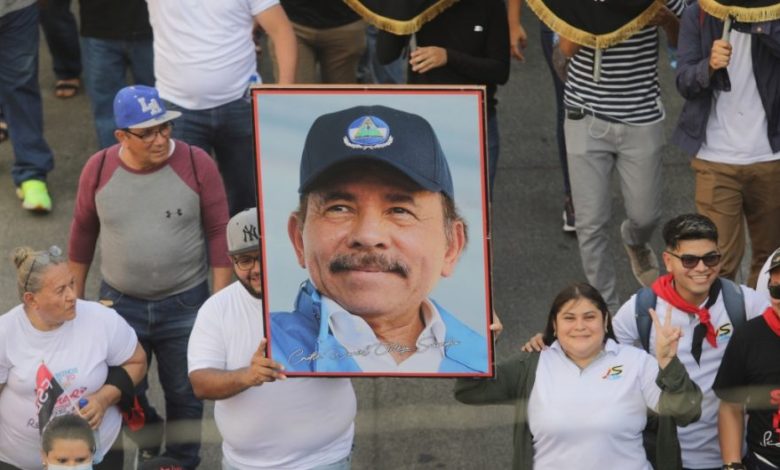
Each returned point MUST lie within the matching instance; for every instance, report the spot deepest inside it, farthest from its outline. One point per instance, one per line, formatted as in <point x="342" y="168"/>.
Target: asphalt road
<point x="408" y="423"/>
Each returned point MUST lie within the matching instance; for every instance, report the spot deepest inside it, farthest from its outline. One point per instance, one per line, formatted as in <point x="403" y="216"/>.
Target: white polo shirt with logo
<point x="592" y="417"/>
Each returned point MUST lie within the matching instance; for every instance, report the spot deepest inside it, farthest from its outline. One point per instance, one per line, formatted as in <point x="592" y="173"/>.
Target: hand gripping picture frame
<point x="374" y="219"/>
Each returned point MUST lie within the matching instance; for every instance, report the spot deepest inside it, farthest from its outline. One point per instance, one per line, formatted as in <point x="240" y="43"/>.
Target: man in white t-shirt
<point x="288" y="424"/>
<point x="731" y="123"/>
<point x="204" y="63"/>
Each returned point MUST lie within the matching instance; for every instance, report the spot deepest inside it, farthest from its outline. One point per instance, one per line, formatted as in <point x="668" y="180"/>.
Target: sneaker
<point x="568" y="215"/>
<point x="35" y="196"/>
<point x="644" y="263"/>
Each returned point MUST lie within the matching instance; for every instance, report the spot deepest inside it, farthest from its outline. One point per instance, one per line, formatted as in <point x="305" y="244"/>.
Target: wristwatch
<point x="734" y="466"/>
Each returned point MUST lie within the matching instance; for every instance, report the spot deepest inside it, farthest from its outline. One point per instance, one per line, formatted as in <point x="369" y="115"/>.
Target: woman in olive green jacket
<point x="584" y="401"/>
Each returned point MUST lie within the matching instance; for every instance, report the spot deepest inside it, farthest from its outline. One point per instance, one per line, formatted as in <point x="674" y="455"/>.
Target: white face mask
<point x="83" y="466"/>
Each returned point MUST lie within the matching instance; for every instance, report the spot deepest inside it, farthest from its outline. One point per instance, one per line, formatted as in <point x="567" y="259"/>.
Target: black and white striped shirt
<point x="628" y="89"/>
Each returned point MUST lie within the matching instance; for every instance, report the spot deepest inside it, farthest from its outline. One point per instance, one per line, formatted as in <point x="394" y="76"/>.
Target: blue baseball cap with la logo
<point x="140" y="106"/>
<point x="402" y="140"/>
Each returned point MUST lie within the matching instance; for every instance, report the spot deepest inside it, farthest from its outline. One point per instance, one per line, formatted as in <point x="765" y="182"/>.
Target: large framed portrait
<point x="375" y="243"/>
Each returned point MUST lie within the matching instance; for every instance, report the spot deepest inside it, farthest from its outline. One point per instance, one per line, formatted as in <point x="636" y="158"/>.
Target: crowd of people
<point x="169" y="199"/>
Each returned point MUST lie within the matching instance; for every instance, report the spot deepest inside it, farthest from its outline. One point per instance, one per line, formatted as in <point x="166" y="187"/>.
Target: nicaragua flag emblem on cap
<point x="368" y="132"/>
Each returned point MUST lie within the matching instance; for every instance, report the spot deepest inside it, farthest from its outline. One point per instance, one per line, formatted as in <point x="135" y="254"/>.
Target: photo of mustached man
<point x="376" y="229"/>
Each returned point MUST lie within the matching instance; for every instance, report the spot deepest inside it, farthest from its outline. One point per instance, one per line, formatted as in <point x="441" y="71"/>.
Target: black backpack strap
<point x="645" y="300"/>
<point x="734" y="300"/>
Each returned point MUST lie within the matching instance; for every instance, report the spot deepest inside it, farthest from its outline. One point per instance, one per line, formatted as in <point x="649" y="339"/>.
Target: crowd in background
<point x="191" y="69"/>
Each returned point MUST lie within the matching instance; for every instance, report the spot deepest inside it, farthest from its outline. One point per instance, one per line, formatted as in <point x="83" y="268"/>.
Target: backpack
<point x="662" y="428"/>
<point x="733" y="299"/>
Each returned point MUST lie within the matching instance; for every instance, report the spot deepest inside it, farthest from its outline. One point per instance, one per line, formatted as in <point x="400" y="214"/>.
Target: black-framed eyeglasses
<point x="149" y="135"/>
<point x="53" y="252"/>
<point x="691" y="261"/>
<point x="774" y="291"/>
<point x="246" y="262"/>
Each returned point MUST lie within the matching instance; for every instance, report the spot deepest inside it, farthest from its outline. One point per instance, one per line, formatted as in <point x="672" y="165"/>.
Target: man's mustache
<point x="368" y="262"/>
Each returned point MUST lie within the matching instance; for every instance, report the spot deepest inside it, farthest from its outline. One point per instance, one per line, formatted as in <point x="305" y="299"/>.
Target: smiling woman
<point x="556" y="392"/>
<point x="61" y="356"/>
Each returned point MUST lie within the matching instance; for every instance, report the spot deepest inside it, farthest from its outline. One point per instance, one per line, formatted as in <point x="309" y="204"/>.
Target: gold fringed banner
<point x="581" y="35"/>
<point x="373" y="14"/>
<point x="746" y="11"/>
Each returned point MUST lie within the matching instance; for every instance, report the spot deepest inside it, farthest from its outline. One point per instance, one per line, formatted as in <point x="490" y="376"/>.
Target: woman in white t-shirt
<point x="61" y="355"/>
<point x="583" y="401"/>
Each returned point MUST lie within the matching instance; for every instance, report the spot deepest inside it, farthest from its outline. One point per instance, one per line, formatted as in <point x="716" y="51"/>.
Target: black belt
<point x="575" y="114"/>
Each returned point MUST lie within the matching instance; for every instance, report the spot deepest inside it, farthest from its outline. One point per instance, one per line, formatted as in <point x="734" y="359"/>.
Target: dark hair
<point x="689" y="227"/>
<point x="71" y="427"/>
<point x="578" y="290"/>
<point x="346" y="171"/>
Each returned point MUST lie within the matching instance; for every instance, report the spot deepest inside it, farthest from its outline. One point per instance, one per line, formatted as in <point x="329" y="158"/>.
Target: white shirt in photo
<point x="372" y="355"/>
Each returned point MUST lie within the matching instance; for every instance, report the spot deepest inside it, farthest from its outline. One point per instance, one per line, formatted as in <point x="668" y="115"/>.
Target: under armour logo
<point x="152" y="106"/>
<point x="250" y="233"/>
<point x="168" y="214"/>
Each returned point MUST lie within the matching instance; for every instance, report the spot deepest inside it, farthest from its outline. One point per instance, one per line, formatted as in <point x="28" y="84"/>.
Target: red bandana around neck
<point x="771" y="319"/>
<point x="664" y="288"/>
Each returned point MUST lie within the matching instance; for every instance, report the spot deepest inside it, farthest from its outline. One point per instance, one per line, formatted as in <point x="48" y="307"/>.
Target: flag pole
<point x="726" y="29"/>
<point x="597" y="64"/>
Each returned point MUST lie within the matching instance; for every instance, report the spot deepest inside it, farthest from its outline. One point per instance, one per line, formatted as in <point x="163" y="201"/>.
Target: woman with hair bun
<point x="60" y="355"/>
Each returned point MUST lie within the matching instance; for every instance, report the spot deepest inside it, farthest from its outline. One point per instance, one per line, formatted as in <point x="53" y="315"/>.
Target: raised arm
<point x="680" y="397"/>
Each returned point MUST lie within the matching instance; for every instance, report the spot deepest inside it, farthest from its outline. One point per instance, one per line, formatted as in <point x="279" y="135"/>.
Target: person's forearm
<point x="215" y="384"/>
<point x="108" y="395"/>
<point x="276" y="24"/>
<point x="513" y="12"/>
<point x="136" y="365"/>
<point x="731" y="425"/>
<point x="220" y="278"/>
<point x="79" y="271"/>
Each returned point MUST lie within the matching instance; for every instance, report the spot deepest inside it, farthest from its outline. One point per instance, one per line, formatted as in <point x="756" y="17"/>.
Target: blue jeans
<point x="106" y="62"/>
<point x="225" y="132"/>
<point x="20" y="96"/>
<point x="163" y="328"/>
<point x="62" y="36"/>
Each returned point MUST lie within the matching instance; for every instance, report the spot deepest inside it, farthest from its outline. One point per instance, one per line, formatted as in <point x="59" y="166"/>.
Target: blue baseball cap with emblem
<point x="402" y="140"/>
<point x="140" y="106"/>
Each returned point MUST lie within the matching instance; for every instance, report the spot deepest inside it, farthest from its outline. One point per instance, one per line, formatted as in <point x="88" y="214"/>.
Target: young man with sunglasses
<point x="160" y="210"/>
<point x="748" y="381"/>
<point x="696" y="292"/>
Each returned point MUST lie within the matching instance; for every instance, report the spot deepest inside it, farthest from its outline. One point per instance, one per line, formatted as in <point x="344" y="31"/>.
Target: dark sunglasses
<point x="774" y="291"/>
<point x="691" y="261"/>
